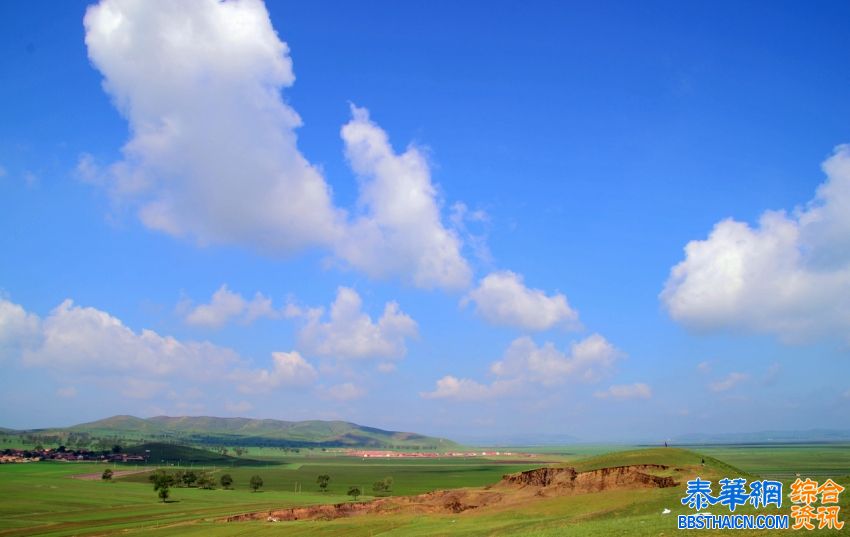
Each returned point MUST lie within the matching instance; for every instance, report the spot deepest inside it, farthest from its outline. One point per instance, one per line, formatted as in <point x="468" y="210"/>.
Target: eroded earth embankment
<point x="512" y="489"/>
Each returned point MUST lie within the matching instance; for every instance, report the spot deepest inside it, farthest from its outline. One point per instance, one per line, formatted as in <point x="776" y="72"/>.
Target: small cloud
<point x="31" y="179"/>
<point x="729" y="382"/>
<point x="450" y="387"/>
<point x="502" y="298"/>
<point x="237" y="408"/>
<point x="350" y="333"/>
<point x="88" y="171"/>
<point x="2" y="171"/>
<point x="772" y="374"/>
<point x="386" y="367"/>
<point x="345" y="392"/>
<point x="67" y="392"/>
<point x="589" y="360"/>
<point x="704" y="367"/>
<point x="288" y="369"/>
<point x="638" y="390"/>
<point x="141" y="389"/>
<point x="462" y="218"/>
<point x="226" y="305"/>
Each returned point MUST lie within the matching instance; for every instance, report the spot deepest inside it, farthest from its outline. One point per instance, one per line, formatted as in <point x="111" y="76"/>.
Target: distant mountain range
<point x="250" y="432"/>
<point x="766" y="437"/>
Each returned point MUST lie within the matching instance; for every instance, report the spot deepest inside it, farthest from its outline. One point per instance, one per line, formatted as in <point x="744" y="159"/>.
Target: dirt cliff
<point x="567" y="480"/>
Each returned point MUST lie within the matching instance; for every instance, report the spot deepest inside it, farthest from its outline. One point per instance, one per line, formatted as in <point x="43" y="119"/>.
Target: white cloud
<point x="288" y="369"/>
<point x="588" y="361"/>
<point x="213" y="153"/>
<point x="90" y="343"/>
<point x="525" y="364"/>
<point x="239" y="407"/>
<point x="2" y="172"/>
<point x="345" y="392"/>
<point x="226" y="305"/>
<point x="788" y="276"/>
<point x="136" y="388"/>
<point x="450" y="387"/>
<point x="88" y="171"/>
<point x="503" y="299"/>
<point x="465" y="220"/>
<point x="704" y="367"/>
<point x="400" y="231"/>
<point x="77" y="338"/>
<point x="18" y="329"/>
<point x="727" y="383"/>
<point x="638" y="390"/>
<point x="67" y="392"/>
<point x="386" y="367"/>
<point x="351" y="333"/>
<point x="774" y="371"/>
<point x="31" y="179"/>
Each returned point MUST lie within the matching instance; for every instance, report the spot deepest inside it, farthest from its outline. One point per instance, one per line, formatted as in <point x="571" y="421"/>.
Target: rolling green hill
<point x="256" y="432"/>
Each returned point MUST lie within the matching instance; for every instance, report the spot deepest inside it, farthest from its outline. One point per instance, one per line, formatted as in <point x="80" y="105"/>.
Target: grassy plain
<point x="43" y="498"/>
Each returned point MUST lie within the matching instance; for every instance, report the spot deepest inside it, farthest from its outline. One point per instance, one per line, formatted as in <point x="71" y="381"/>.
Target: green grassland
<point x="785" y="460"/>
<point x="409" y="477"/>
<point x="43" y="499"/>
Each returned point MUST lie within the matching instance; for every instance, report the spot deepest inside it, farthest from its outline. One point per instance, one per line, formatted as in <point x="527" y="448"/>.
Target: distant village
<point x="62" y="454"/>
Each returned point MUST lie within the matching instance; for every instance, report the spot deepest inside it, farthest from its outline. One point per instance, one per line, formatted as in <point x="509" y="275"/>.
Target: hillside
<point x="258" y="432"/>
<point x="157" y="452"/>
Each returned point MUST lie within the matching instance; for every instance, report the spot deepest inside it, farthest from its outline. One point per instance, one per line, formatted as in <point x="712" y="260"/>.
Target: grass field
<point x="43" y="498"/>
<point x="784" y="460"/>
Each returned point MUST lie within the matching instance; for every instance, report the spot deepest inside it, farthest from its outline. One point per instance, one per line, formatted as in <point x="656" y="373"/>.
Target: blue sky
<point x="459" y="220"/>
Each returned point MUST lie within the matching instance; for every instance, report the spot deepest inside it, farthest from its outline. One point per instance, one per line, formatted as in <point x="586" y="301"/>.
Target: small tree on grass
<point x="383" y="486"/>
<point x="323" y="481"/>
<point x="226" y="481"/>
<point x="162" y="482"/>
<point x="189" y="478"/>
<point x="256" y="482"/>
<point x="206" y="482"/>
<point x="354" y="492"/>
<point x="106" y="475"/>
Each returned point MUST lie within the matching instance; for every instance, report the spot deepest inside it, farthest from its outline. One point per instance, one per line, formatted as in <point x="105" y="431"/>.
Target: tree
<point x="226" y="481"/>
<point x="106" y="475"/>
<point x="206" y="482"/>
<point x="189" y="478"/>
<point x="383" y="486"/>
<point x="354" y="492"/>
<point x="256" y="482"/>
<point x="323" y="481"/>
<point x="162" y="482"/>
<point x="117" y="449"/>
<point x="178" y="478"/>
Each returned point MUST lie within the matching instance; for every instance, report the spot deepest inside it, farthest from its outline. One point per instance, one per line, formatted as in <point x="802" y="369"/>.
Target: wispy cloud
<point x="638" y="390"/>
<point x="728" y="382"/>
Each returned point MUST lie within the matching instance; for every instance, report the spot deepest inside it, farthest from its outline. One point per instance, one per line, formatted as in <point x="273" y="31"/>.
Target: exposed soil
<point x="513" y="488"/>
<point x="558" y="481"/>
<point x="116" y="473"/>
